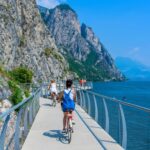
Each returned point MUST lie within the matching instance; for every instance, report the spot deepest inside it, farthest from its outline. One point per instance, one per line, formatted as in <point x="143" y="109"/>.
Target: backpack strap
<point x="69" y="92"/>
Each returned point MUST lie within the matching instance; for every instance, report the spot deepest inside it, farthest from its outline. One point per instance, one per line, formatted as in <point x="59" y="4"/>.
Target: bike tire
<point x="69" y="135"/>
<point x="54" y="104"/>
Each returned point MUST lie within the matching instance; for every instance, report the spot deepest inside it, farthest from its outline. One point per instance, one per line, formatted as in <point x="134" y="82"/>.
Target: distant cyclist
<point x="53" y="89"/>
<point x="67" y="98"/>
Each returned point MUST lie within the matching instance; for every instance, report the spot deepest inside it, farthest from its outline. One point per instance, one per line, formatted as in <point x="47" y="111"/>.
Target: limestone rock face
<point x="78" y="43"/>
<point x="24" y="39"/>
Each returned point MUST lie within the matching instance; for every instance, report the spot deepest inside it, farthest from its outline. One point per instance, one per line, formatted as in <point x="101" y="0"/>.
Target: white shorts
<point x="53" y="91"/>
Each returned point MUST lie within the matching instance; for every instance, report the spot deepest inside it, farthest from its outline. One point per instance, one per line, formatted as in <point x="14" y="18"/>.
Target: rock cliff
<point x="79" y="45"/>
<point x="25" y="40"/>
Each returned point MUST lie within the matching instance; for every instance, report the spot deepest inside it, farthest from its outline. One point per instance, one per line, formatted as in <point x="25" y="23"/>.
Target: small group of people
<point x="67" y="98"/>
<point x="82" y="82"/>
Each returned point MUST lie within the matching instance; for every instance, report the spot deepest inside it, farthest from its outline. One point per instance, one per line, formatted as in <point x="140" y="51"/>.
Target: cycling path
<point x="45" y="133"/>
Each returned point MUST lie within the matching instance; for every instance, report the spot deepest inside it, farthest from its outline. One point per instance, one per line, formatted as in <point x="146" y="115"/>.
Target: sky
<point x="123" y="26"/>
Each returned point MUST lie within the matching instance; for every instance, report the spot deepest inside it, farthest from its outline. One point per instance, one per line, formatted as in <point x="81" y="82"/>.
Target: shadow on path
<point x="48" y="105"/>
<point x="57" y="135"/>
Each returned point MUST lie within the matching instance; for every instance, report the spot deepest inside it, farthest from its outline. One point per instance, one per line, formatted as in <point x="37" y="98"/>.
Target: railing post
<point x="106" y="116"/>
<point x="26" y="121"/>
<point x="84" y="103"/>
<point x="59" y="87"/>
<point x="3" y="133"/>
<point x="30" y="113"/>
<point x="96" y="108"/>
<point x="81" y="101"/>
<point x="17" y="130"/>
<point x="124" y="128"/>
<point x="89" y="103"/>
<point x="77" y="100"/>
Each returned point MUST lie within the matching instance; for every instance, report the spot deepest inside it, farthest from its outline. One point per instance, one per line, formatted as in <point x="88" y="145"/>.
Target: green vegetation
<point x="15" y="79"/>
<point x="51" y="52"/>
<point x="22" y="75"/>
<point x="27" y="92"/>
<point x="87" y="69"/>
<point x="17" y="94"/>
<point x="22" y="41"/>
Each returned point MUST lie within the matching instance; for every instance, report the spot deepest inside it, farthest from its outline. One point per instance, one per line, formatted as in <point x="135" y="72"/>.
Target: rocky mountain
<point x="82" y="49"/>
<point x="133" y="70"/>
<point x="25" y="40"/>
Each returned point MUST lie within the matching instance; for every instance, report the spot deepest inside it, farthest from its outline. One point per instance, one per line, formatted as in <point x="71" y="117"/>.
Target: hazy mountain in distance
<point x="133" y="69"/>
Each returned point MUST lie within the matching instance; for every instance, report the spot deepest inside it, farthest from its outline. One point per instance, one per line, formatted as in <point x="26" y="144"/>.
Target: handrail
<point x="121" y="102"/>
<point x="102" y="110"/>
<point x="22" y="121"/>
<point x="18" y="105"/>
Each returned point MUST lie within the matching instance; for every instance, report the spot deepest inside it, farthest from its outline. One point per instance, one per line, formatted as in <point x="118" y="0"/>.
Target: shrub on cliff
<point x="17" y="95"/>
<point x="51" y="52"/>
<point x="22" y="75"/>
<point x="19" y="76"/>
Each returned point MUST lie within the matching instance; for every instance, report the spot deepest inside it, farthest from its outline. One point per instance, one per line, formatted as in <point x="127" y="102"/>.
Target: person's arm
<point x="75" y="97"/>
<point x="60" y="96"/>
<point x="74" y="94"/>
<point x="49" y="86"/>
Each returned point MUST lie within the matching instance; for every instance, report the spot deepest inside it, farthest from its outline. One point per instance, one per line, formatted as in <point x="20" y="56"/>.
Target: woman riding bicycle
<point x="67" y="98"/>
<point x="53" y="89"/>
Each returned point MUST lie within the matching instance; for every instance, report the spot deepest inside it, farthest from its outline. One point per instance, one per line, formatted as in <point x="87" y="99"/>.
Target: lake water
<point x="137" y="121"/>
<point x="133" y="92"/>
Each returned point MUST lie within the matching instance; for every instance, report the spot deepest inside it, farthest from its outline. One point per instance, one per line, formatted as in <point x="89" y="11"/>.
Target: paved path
<point x="45" y="133"/>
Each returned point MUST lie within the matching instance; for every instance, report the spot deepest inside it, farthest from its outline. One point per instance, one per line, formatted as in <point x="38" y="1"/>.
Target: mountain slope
<point x="79" y="45"/>
<point x="25" y="40"/>
<point x="132" y="69"/>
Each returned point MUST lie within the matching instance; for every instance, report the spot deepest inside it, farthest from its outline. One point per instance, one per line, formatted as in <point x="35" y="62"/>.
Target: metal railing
<point x="127" y="123"/>
<point x="61" y="85"/>
<point x="16" y="122"/>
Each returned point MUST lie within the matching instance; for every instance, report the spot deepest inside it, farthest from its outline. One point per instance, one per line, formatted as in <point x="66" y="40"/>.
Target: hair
<point x="69" y="83"/>
<point x="52" y="81"/>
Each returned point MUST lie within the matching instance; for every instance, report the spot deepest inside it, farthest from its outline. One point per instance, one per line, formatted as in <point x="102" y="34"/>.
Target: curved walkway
<point x="45" y="133"/>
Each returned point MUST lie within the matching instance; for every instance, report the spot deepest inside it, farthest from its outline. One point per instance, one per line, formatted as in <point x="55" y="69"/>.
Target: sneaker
<point x="63" y="131"/>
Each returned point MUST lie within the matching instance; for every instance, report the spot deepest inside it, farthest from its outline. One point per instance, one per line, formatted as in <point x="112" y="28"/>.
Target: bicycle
<point x="69" y="129"/>
<point x="54" y="101"/>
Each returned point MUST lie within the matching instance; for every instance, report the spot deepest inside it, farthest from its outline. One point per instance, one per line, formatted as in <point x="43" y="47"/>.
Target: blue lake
<point x="137" y="121"/>
<point x="133" y="92"/>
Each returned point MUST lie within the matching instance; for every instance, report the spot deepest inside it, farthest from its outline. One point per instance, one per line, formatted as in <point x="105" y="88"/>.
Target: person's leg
<point x="53" y="97"/>
<point x="64" y="120"/>
<point x="73" y="121"/>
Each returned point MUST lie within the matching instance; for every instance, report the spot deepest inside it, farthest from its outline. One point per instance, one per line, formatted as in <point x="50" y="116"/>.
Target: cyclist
<point x="53" y="89"/>
<point x="67" y="98"/>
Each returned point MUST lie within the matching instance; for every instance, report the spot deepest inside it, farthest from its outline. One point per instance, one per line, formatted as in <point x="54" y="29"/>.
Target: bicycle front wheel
<point x="69" y="135"/>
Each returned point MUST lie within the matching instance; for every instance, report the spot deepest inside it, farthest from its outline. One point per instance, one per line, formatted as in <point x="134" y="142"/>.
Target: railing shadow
<point x="57" y="135"/>
<point x="50" y="105"/>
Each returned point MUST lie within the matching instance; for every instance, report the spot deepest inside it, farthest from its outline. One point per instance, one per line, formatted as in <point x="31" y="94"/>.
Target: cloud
<point x="134" y="51"/>
<point x="50" y="3"/>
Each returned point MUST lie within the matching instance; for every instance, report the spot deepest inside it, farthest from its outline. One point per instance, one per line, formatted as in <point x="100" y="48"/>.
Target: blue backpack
<point x="68" y="103"/>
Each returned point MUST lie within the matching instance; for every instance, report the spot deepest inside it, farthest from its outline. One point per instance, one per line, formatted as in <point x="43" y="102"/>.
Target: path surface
<point x="45" y="133"/>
